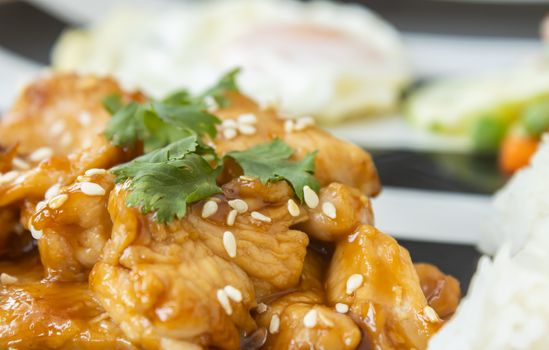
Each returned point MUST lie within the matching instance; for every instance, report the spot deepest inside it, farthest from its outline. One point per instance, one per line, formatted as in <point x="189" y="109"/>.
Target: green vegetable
<point x="113" y="103"/>
<point x="158" y="123"/>
<point x="126" y="126"/>
<point x="178" y="168"/>
<point x="487" y="133"/>
<point x="166" y="180"/>
<point x="535" y="118"/>
<point x="270" y="162"/>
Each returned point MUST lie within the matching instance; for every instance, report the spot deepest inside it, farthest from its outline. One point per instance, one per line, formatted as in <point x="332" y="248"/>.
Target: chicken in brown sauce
<point x="236" y="269"/>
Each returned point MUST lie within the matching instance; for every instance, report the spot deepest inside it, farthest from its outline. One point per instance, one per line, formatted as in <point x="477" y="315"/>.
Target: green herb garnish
<point x="158" y="123"/>
<point x="178" y="168"/>
<point x="166" y="180"/>
<point x="271" y="162"/>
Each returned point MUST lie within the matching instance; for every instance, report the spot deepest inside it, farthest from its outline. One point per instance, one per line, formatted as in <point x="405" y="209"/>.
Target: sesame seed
<point x="246" y="129"/>
<point x="342" y="308"/>
<point x="260" y="217"/>
<point x="224" y="301"/>
<point x="81" y="178"/>
<point x="211" y="103"/>
<point x="233" y="293"/>
<point x="246" y="178"/>
<point x="229" y="242"/>
<point x="57" y="128"/>
<point x="57" y="201"/>
<point x="303" y="123"/>
<point x="92" y="189"/>
<point x="229" y="124"/>
<point x="247" y="118"/>
<point x="95" y="171"/>
<point x="84" y="118"/>
<point x="329" y="210"/>
<point x="209" y="209"/>
<point x="20" y="164"/>
<point x="229" y="134"/>
<point x="274" y="325"/>
<point x="293" y="208"/>
<point x="20" y="179"/>
<point x="41" y="154"/>
<point x="348" y="341"/>
<point x="231" y="217"/>
<point x="239" y="205"/>
<point x="354" y="282"/>
<point x="36" y="234"/>
<point x="310" y="319"/>
<point x="9" y="176"/>
<point x="311" y="198"/>
<point x="261" y="308"/>
<point x="430" y="314"/>
<point x="7" y="279"/>
<point x="40" y="205"/>
<point x="288" y="126"/>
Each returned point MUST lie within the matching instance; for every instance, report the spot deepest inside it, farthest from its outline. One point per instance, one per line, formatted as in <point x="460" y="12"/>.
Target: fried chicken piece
<point x="61" y="316"/>
<point x="166" y="288"/>
<point x="73" y="227"/>
<point x="62" y="112"/>
<point x="336" y="161"/>
<point x="375" y="277"/>
<point x="352" y="208"/>
<point x="269" y="252"/>
<point x="326" y="329"/>
<point x="298" y="320"/>
<point x="57" y="124"/>
<point x="442" y="291"/>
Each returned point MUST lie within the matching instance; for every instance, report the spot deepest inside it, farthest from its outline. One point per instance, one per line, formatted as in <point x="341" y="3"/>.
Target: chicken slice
<point x="73" y="226"/>
<point x="341" y="210"/>
<point x="375" y="278"/>
<point x="61" y="316"/>
<point x="62" y="112"/>
<point x="336" y="161"/>
<point x="271" y="253"/>
<point x="309" y="326"/>
<point x="298" y="320"/>
<point x="57" y="124"/>
<point x="166" y="288"/>
<point x="442" y="291"/>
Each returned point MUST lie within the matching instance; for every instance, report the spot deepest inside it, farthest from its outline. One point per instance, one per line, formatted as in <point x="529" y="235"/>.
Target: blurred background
<point x="451" y="97"/>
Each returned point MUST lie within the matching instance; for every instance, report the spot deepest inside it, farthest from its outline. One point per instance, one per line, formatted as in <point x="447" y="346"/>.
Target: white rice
<point x="507" y="305"/>
<point x="521" y="205"/>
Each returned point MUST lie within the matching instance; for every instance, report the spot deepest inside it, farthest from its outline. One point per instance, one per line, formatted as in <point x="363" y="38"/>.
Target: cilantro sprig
<point x="158" y="123"/>
<point x="178" y="168"/>
<point x="166" y="180"/>
<point x="271" y="162"/>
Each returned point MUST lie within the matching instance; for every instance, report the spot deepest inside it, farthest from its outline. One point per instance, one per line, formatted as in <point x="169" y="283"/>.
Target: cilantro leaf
<point x="270" y="162"/>
<point x="126" y="127"/>
<point x="113" y="103"/>
<point x="158" y="123"/>
<point x="167" y="188"/>
<point x="166" y="180"/>
<point x="186" y="116"/>
<point x="175" y="151"/>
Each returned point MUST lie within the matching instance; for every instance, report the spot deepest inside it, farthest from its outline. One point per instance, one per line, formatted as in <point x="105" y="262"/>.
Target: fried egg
<point x="322" y="59"/>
